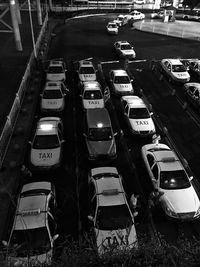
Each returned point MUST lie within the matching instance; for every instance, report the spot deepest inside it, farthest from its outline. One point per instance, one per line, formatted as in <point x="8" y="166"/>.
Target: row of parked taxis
<point x="34" y="230"/>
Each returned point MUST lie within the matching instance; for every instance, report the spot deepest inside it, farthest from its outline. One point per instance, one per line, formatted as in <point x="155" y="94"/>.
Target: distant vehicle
<point x="33" y="232"/>
<point x="179" y="199"/>
<point x="158" y="15"/>
<point x="56" y="70"/>
<point x="174" y="70"/>
<point x="138" y="116"/>
<point x="53" y="97"/>
<point x="124" y="49"/>
<point x="135" y="15"/>
<point x="47" y="144"/>
<point x="192" y="92"/>
<point x="112" y="219"/>
<point x="121" y="20"/>
<point x="121" y="83"/>
<point x="139" y="2"/>
<point x="194" y="68"/>
<point x="112" y="28"/>
<point x="92" y="95"/>
<point x="192" y="15"/>
<point x="86" y="71"/>
<point x="99" y="135"/>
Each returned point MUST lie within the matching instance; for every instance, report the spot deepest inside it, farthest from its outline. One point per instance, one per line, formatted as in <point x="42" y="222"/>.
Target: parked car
<point x="174" y="70"/>
<point x="192" y="92"/>
<point x="112" y="219"/>
<point x="53" y="97"/>
<point x="86" y="71"/>
<point x="138" y="116"/>
<point x="99" y="135"/>
<point x="120" y="82"/>
<point x="47" y="144"/>
<point x="158" y="15"/>
<point x="124" y="49"/>
<point x="135" y="15"/>
<point x="92" y="95"/>
<point x="112" y="28"/>
<point x="33" y="232"/>
<point x="168" y="175"/>
<point x="56" y="70"/>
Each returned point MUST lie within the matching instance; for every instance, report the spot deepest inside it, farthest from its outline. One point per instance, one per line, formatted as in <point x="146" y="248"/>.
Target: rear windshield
<point x="52" y="94"/>
<point x="86" y="70"/>
<point x="100" y="134"/>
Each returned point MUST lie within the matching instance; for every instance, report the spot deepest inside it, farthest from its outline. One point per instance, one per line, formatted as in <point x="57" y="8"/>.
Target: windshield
<point x="122" y="79"/>
<point x="138" y="113"/>
<point x="55" y="69"/>
<point x="92" y="95"/>
<point x="178" y="68"/>
<point x="126" y="47"/>
<point x="100" y="175"/>
<point x="174" y="180"/>
<point x="112" y="26"/>
<point x="46" y="141"/>
<point x="100" y="134"/>
<point x="86" y="70"/>
<point x="113" y="217"/>
<point x="52" y="94"/>
<point x="30" y="242"/>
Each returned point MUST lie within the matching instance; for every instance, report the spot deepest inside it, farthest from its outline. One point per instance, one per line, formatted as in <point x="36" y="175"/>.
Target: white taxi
<point x="86" y="71"/>
<point x="124" y="49"/>
<point x="138" y="116"/>
<point x="112" y="219"/>
<point x="192" y="93"/>
<point x="53" y="97"/>
<point x="135" y="15"/>
<point x="179" y="199"/>
<point x="92" y="96"/>
<point x="33" y="232"/>
<point x="175" y="70"/>
<point x="112" y="28"/>
<point x="120" y="82"/>
<point x="47" y="144"/>
<point x="56" y="70"/>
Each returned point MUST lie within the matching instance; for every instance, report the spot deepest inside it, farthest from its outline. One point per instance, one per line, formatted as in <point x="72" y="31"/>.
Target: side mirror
<point x="151" y="113"/>
<point x="81" y="95"/>
<point x="90" y="218"/>
<point x="115" y="134"/>
<point x="185" y="163"/>
<point x="30" y="143"/>
<point x="40" y="95"/>
<point x="4" y="243"/>
<point x="63" y="141"/>
<point x="84" y="134"/>
<point x="55" y="237"/>
<point x="191" y="178"/>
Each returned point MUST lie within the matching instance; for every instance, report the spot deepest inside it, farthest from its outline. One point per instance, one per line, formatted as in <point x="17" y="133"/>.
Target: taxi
<point x="53" y="97"/>
<point x="47" y="144"/>
<point x="33" y="233"/>
<point x="192" y="93"/>
<point x="110" y="214"/>
<point x="112" y="28"/>
<point x="174" y="70"/>
<point x="194" y="68"/>
<point x="124" y="49"/>
<point x="92" y="96"/>
<point x="120" y="20"/>
<point x="135" y="15"/>
<point x="86" y="71"/>
<point x="138" y="116"/>
<point x="121" y="83"/>
<point x="56" y="70"/>
<point x="168" y="175"/>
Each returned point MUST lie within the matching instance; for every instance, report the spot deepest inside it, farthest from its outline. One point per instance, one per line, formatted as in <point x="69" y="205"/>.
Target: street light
<point x="32" y="33"/>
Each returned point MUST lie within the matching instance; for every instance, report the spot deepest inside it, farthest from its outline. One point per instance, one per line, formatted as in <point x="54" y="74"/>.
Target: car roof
<point x="47" y="126"/>
<point x="31" y="212"/>
<point x="98" y="117"/>
<point x="86" y="63"/>
<point x="92" y="85"/>
<point x="123" y="42"/>
<point x="103" y="170"/>
<point x="110" y="191"/>
<point x="55" y="62"/>
<point x="120" y="72"/>
<point x="194" y="84"/>
<point x="52" y="86"/>
<point x="36" y="185"/>
<point x="174" y="61"/>
<point x="134" y="101"/>
<point x="167" y="160"/>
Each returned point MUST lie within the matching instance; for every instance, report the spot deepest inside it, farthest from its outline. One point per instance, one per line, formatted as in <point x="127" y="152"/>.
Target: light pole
<point x="32" y="33"/>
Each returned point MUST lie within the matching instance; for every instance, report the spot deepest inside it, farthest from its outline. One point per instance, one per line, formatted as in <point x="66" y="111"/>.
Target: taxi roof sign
<point x="110" y="192"/>
<point x="30" y="212"/>
<point x="46" y="127"/>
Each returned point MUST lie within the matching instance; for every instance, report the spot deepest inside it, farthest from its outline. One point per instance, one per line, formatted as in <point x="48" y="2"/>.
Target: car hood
<point x="142" y="124"/>
<point x="109" y="239"/>
<point x="100" y="147"/>
<point x="52" y="103"/>
<point x="98" y="103"/>
<point x="181" y="200"/>
<point x="123" y="87"/>
<point x="45" y="157"/>
<point x="87" y="77"/>
<point x="181" y="75"/>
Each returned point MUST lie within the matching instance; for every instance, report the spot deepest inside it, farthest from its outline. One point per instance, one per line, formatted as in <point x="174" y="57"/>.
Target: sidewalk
<point x="179" y="28"/>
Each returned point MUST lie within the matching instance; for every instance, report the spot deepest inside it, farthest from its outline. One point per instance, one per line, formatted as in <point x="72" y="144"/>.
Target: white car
<point x="33" y="232"/>
<point x="135" y="15"/>
<point x="124" y="49"/>
<point x="53" y="97"/>
<point x="192" y="93"/>
<point x="47" y="144"/>
<point x="112" y="28"/>
<point x="56" y="70"/>
<point x="120" y="82"/>
<point x="92" y="96"/>
<point x="175" y="70"/>
<point x="169" y="176"/>
<point x="138" y="116"/>
<point x="139" y="2"/>
<point x="121" y="20"/>
<point x="112" y="219"/>
<point x="86" y="71"/>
